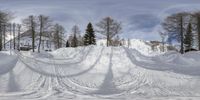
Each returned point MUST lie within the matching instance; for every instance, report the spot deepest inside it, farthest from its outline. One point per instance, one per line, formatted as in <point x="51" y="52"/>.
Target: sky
<point x="140" y="18"/>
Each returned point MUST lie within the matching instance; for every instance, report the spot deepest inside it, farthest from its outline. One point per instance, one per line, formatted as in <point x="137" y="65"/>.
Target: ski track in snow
<point x="99" y="73"/>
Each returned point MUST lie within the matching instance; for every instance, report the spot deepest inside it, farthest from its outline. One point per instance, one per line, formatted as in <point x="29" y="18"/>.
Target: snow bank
<point x="98" y="72"/>
<point x="142" y="46"/>
<point x="7" y="63"/>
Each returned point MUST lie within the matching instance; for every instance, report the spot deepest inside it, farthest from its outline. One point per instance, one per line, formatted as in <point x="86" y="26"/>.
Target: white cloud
<point x="70" y="12"/>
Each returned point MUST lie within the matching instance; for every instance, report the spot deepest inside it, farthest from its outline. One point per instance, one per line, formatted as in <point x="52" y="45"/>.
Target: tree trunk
<point x="4" y="36"/>
<point x="163" y="45"/>
<point x="108" y="33"/>
<point x="10" y="35"/>
<point x="198" y="29"/>
<point x="40" y="39"/>
<point x="182" y="37"/>
<point x="33" y="40"/>
<point x="57" y="40"/>
<point x="33" y="34"/>
<point x="0" y="36"/>
<point x="19" y="29"/>
<point x="74" y="41"/>
<point x="14" y="36"/>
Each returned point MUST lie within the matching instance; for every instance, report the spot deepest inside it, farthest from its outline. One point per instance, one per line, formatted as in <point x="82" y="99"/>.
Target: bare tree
<point x="5" y="17"/>
<point x="30" y="23"/>
<point x="174" y="25"/>
<point x="10" y="28"/>
<point x="163" y="36"/>
<point x="109" y="28"/>
<point x="18" y="36"/>
<point x="58" y="35"/>
<point x="4" y="36"/>
<point x="44" y="24"/>
<point x="75" y="36"/>
<point x="14" y="25"/>
<point x="1" y="37"/>
<point x="196" y="22"/>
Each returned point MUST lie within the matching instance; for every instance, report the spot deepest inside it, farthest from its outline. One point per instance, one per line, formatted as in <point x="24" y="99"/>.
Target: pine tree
<point x="86" y="39"/>
<point x="188" y="40"/>
<point x="67" y="43"/>
<point x="89" y="37"/>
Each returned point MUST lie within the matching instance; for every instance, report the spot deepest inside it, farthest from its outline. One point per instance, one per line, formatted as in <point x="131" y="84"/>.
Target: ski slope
<point x="98" y="73"/>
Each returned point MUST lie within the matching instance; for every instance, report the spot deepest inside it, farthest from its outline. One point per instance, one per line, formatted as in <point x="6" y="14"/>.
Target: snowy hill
<point x="98" y="72"/>
<point x="145" y="47"/>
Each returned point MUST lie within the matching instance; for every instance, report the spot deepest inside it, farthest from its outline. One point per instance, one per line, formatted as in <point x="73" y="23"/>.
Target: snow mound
<point x="140" y="46"/>
<point x="98" y="72"/>
<point x="7" y="62"/>
<point x="144" y="47"/>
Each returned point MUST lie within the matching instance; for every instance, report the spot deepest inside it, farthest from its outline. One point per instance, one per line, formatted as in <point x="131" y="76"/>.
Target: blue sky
<point x="140" y="18"/>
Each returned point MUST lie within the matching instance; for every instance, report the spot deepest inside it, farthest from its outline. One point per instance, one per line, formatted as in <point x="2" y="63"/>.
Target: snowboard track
<point x="141" y="74"/>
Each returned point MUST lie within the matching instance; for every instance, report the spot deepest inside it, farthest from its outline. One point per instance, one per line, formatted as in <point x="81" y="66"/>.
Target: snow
<point x="7" y="63"/>
<point x="144" y="47"/>
<point x="141" y="46"/>
<point x="99" y="73"/>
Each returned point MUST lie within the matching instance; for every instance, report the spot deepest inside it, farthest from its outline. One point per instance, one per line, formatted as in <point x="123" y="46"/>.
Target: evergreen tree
<point x="89" y="37"/>
<point x="86" y="39"/>
<point x="67" y="43"/>
<point x="188" y="40"/>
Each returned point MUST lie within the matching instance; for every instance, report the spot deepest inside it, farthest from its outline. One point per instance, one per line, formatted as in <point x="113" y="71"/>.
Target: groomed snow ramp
<point x="98" y="73"/>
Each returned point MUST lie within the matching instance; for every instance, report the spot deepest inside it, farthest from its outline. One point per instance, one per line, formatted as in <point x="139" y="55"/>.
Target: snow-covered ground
<point x="98" y="73"/>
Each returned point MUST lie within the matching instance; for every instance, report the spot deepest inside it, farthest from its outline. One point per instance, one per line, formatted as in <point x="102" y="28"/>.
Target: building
<point x="47" y="42"/>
